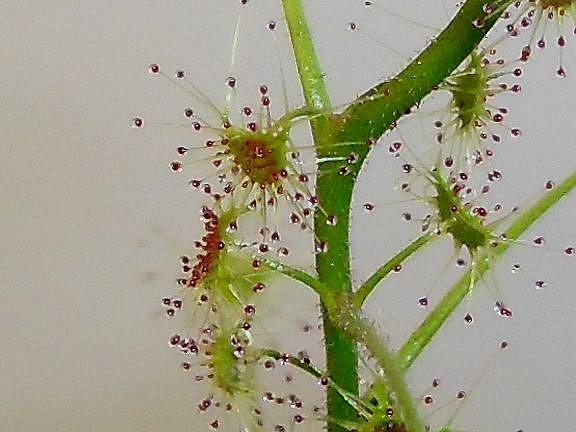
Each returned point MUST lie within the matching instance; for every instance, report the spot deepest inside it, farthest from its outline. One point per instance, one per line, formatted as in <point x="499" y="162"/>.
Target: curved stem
<point x="364" y="121"/>
<point x="298" y="275"/>
<point x="306" y="366"/>
<point x="346" y="316"/>
<point x="377" y="109"/>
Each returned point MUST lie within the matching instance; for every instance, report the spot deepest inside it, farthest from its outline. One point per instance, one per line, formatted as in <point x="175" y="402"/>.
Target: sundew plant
<point x="277" y="179"/>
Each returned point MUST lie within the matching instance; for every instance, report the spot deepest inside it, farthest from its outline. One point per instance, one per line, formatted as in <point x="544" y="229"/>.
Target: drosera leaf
<point x="537" y="15"/>
<point x="422" y="336"/>
<point x="472" y="118"/>
<point x="254" y="164"/>
<point x="371" y="116"/>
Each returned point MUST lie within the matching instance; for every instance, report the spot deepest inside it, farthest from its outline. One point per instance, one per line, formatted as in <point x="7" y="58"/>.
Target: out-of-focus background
<point x="92" y="221"/>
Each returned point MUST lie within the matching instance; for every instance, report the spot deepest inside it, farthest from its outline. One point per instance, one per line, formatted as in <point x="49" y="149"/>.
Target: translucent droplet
<point x="294" y="219"/>
<point x="231" y="82"/>
<point x="368" y="207"/>
<point x="539" y="284"/>
<point x="321" y="247"/>
<point x="154" y="68"/>
<point x="502" y="309"/>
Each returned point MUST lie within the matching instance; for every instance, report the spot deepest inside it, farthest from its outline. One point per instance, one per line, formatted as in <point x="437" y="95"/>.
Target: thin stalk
<point x="434" y="321"/>
<point x="294" y="361"/>
<point x="298" y="275"/>
<point x="309" y="368"/>
<point x="368" y="286"/>
<point x="309" y="70"/>
<point x="363" y="331"/>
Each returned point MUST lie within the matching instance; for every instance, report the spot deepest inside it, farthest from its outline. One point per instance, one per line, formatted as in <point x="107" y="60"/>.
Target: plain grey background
<point x="92" y="221"/>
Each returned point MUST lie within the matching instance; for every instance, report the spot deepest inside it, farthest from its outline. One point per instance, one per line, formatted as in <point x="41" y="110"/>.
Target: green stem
<point x="294" y="361"/>
<point x="307" y="367"/>
<point x="377" y="109"/>
<point x="346" y="315"/>
<point x="434" y="321"/>
<point x="334" y="193"/>
<point x="364" y="121"/>
<point x="367" y="287"/>
<point x="298" y="275"/>
<point x="309" y="70"/>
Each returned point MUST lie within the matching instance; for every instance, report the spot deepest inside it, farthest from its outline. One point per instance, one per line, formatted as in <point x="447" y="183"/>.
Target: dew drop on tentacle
<point x="176" y="166"/>
<point x="231" y="82"/>
<point x="259" y="287"/>
<point x="321" y="247"/>
<point x="154" y="68"/>
<point x="331" y="220"/>
<point x="539" y="284"/>
<point x="470" y="118"/>
<point x="137" y="122"/>
<point x="535" y="15"/>
<point x="368" y="206"/>
<point x="502" y="309"/>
